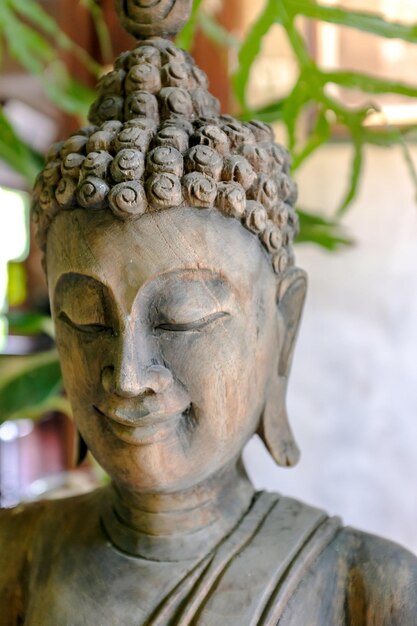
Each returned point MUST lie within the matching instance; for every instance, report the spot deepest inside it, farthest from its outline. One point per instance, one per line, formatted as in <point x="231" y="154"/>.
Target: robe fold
<point x="284" y="563"/>
<point x="252" y="566"/>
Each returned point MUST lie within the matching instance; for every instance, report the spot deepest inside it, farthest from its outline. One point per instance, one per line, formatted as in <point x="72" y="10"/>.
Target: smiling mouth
<point x="142" y="429"/>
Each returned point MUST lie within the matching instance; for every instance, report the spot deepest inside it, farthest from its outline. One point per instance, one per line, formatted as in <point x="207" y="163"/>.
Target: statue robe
<point x="285" y="563"/>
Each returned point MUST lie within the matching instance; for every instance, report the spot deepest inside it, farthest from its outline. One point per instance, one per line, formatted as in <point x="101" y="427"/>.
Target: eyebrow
<point x="69" y="277"/>
<point x="199" y="274"/>
<point x="209" y="278"/>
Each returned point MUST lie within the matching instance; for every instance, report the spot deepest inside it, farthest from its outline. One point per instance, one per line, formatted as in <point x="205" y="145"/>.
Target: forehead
<point x="125" y="255"/>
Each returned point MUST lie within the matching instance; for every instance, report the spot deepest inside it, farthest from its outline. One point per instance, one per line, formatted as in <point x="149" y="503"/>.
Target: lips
<point x="138" y="418"/>
<point x="140" y="427"/>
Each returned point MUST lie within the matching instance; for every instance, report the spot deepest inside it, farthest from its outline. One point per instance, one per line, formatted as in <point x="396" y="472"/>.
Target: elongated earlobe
<point x="274" y="429"/>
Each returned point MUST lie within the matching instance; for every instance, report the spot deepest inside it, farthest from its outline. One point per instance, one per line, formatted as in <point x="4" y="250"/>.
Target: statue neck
<point x="179" y="526"/>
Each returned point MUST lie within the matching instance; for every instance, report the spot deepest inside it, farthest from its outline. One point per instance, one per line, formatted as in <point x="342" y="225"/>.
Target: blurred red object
<point x="30" y="452"/>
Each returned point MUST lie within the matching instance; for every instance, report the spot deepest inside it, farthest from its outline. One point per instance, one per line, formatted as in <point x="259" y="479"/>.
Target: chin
<point x="162" y="466"/>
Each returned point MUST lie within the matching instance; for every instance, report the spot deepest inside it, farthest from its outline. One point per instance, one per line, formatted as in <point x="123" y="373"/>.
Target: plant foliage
<point x="310" y="91"/>
<point x="31" y="386"/>
<point x="32" y="37"/>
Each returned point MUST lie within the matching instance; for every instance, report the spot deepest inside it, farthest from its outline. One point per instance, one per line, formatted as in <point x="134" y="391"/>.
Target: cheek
<point x="225" y="373"/>
<point x="80" y="363"/>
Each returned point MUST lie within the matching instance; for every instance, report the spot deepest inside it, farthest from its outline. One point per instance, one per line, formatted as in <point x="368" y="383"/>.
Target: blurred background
<point x="337" y="80"/>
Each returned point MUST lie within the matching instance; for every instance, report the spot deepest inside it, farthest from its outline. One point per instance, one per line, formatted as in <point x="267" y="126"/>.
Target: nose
<point x="133" y="381"/>
<point x="134" y="373"/>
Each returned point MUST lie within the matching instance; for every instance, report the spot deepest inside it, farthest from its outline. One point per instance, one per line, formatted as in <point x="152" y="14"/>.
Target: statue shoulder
<point x="17" y="525"/>
<point x="27" y="533"/>
<point x="352" y="576"/>
<point x="22" y="525"/>
<point x="382" y="577"/>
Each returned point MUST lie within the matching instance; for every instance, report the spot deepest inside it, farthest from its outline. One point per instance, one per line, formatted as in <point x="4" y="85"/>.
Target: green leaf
<point x="314" y="219"/>
<point x="16" y="283"/>
<point x="28" y="383"/>
<point x="103" y="35"/>
<point x="384" y="137"/>
<point x="318" y="136"/>
<point x="360" y="20"/>
<point x="369" y="84"/>
<point x="36" y="55"/>
<point x="324" y="239"/>
<point x="270" y="113"/>
<point x="185" y="38"/>
<point x="16" y="153"/>
<point x="327" y="234"/>
<point x="26" y="45"/>
<point x="293" y="107"/>
<point x="68" y="94"/>
<point x="53" y="404"/>
<point x="27" y="323"/>
<point x="250" y="49"/>
<point x="409" y="163"/>
<point x="31" y="10"/>
<point x="216" y="33"/>
<point x="285" y="15"/>
<point x="355" y="175"/>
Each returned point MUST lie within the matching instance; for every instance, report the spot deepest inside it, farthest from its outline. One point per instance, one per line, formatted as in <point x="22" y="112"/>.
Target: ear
<point x="274" y="428"/>
<point x="291" y="294"/>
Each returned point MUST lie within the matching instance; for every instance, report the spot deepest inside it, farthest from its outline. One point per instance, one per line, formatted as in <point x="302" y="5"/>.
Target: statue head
<point x="167" y="233"/>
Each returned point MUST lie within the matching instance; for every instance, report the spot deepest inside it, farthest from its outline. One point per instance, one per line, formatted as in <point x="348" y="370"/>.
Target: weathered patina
<point x="167" y="232"/>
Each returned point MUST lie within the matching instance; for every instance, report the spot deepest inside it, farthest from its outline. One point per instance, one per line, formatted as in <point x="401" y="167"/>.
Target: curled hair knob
<point x="160" y="18"/>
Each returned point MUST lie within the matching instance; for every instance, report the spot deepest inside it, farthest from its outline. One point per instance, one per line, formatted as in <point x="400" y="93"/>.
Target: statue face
<point x="168" y="334"/>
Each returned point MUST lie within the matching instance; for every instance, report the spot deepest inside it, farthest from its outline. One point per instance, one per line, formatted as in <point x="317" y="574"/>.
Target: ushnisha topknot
<point x="156" y="141"/>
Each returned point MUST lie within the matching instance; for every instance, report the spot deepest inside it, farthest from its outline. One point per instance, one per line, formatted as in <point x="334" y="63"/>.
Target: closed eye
<point x="94" y="328"/>
<point x="194" y="325"/>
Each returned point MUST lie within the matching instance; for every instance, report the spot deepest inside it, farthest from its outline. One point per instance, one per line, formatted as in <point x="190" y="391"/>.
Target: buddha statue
<point x="167" y="232"/>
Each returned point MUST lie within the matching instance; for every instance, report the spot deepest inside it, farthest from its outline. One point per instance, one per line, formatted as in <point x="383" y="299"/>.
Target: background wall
<point x="353" y="391"/>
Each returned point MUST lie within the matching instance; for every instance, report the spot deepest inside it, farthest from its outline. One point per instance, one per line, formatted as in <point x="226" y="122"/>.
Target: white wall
<point x="353" y="392"/>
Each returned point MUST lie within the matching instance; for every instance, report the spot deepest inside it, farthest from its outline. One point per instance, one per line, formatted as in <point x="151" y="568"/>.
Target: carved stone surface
<point x="145" y="18"/>
<point x="167" y="232"/>
<point x="154" y="122"/>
